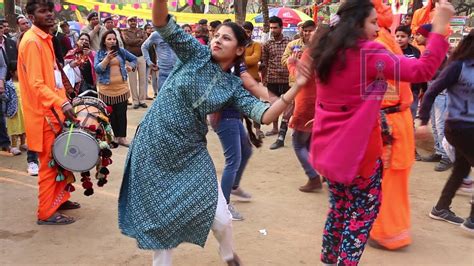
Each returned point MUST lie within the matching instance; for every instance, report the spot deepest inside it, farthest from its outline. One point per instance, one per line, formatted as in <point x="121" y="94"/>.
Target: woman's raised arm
<point x="159" y="14"/>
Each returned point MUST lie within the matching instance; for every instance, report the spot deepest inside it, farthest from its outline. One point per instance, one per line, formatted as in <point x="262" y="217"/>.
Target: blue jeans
<point x="301" y="141"/>
<point x="414" y="104"/>
<point x="237" y="151"/>
<point x="439" y="111"/>
<point x="154" y="79"/>
<point x="32" y="157"/>
<point x="162" y="76"/>
<point x="4" y="138"/>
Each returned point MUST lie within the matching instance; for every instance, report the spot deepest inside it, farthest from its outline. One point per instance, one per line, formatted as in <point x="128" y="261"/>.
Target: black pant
<point x="462" y="139"/>
<point x="4" y="138"/>
<point x="278" y="88"/>
<point x="118" y="119"/>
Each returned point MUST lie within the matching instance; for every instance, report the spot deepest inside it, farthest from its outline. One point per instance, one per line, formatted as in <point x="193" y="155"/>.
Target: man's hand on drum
<point x="69" y="112"/>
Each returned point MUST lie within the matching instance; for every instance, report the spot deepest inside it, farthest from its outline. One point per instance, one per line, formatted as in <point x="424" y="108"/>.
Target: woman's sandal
<point x="113" y="145"/>
<point x="57" y="219"/>
<point x="69" y="205"/>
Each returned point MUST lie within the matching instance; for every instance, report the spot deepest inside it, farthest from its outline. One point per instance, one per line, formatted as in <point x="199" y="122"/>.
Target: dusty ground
<point x="294" y="220"/>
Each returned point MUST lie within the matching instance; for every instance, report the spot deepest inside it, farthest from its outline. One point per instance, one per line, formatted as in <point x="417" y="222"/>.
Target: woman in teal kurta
<point x="169" y="191"/>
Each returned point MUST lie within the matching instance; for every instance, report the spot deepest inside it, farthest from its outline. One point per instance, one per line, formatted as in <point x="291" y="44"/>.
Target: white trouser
<point x="138" y="81"/>
<point x="221" y="228"/>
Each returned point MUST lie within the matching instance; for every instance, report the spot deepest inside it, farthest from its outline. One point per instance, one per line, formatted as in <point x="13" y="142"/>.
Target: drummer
<point x="44" y="103"/>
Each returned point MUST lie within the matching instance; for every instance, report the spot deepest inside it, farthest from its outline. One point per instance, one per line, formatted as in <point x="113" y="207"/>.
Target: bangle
<point x="282" y="98"/>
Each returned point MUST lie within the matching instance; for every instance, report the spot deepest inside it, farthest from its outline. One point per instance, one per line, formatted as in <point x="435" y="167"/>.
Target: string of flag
<point x="174" y="3"/>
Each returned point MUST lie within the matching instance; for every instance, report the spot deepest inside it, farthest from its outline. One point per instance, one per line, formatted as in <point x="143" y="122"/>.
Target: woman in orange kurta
<point x="391" y="228"/>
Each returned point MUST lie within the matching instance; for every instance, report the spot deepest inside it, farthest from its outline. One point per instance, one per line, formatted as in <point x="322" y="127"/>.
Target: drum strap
<point x="51" y="124"/>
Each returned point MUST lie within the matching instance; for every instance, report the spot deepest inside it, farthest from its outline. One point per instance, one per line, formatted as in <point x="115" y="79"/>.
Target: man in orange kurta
<point x="41" y="94"/>
<point x="391" y="228"/>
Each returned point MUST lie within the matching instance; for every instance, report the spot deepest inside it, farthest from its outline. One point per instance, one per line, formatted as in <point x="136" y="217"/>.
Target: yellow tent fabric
<point x="128" y="10"/>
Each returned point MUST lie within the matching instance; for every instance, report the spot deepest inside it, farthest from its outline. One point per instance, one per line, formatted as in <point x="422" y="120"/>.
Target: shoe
<point x="235" y="261"/>
<point x="57" y="219"/>
<point x="278" y="144"/>
<point x="466" y="187"/>
<point x="123" y="142"/>
<point x="433" y="158"/>
<point x="260" y="134"/>
<point x="129" y="103"/>
<point x="443" y="165"/>
<point x="144" y="105"/>
<point x="418" y="157"/>
<point x="446" y="215"/>
<point x="23" y="147"/>
<point x="271" y="133"/>
<point x="241" y="194"/>
<point x="149" y="98"/>
<point x="15" y="151"/>
<point x="32" y="169"/>
<point x="136" y="106"/>
<point x="312" y="185"/>
<point x="468" y="225"/>
<point x="236" y="216"/>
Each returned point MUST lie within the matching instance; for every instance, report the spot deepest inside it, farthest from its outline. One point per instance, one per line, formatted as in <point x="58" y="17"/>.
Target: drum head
<point x="82" y="153"/>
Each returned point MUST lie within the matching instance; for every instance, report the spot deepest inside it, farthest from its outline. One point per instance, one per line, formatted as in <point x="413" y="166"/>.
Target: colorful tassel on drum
<point x="70" y="188"/>
<point x="86" y="183"/>
<point x="59" y="177"/>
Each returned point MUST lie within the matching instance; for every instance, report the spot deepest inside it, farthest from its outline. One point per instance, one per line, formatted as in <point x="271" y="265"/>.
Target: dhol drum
<point x="90" y="111"/>
<point x="76" y="150"/>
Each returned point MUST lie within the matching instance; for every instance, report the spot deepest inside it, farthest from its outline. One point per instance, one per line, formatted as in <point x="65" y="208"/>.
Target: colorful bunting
<point x="73" y="7"/>
<point x="96" y="8"/>
<point x="112" y="6"/>
<point x="120" y="6"/>
<point x="58" y="7"/>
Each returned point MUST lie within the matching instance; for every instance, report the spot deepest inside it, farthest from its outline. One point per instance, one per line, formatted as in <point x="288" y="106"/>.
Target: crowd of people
<point x="337" y="86"/>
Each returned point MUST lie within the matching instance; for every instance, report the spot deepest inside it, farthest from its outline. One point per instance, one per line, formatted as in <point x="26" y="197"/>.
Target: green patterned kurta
<point x="169" y="189"/>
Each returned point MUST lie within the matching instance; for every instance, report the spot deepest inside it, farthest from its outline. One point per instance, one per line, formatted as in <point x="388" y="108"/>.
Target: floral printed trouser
<point x="353" y="209"/>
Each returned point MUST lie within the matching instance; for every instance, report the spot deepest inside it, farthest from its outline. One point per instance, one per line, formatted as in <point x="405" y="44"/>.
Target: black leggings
<point x="118" y="119"/>
<point x="462" y="139"/>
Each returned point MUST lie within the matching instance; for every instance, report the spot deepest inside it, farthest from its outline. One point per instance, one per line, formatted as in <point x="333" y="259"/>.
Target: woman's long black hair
<point x="331" y="46"/>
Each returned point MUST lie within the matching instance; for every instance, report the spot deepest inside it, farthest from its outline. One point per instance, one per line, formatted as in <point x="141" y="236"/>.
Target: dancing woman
<point x="458" y="78"/>
<point x="235" y="140"/>
<point x="169" y="193"/>
<point x="346" y="147"/>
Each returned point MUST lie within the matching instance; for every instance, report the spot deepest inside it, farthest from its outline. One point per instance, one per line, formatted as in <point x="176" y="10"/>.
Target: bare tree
<point x="266" y="18"/>
<point x="9" y="8"/>
<point x="240" y="7"/>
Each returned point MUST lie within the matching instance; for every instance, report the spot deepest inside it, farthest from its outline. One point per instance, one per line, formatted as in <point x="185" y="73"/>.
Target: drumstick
<point x="69" y="135"/>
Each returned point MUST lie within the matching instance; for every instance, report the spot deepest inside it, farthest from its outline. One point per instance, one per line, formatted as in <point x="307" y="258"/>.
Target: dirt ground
<point x="293" y="220"/>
